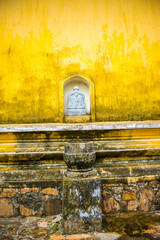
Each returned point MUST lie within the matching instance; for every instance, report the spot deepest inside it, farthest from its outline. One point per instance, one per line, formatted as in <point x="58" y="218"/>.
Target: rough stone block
<point x="118" y="189"/>
<point x="26" y="211"/>
<point x="96" y="236"/>
<point x="50" y="191"/>
<point x="107" y="192"/>
<point x="117" y="197"/>
<point x="133" y="205"/>
<point x="124" y="205"/>
<point x="153" y="184"/>
<point x="141" y="185"/>
<point x="6" y="208"/>
<point x="52" y="207"/>
<point x="8" y="195"/>
<point x="79" y="237"/>
<point x="7" y="238"/>
<point x="157" y="206"/>
<point x="31" y="200"/>
<point x="158" y="196"/>
<point x="57" y="237"/>
<point x="27" y="190"/>
<point x="129" y="195"/>
<point x="10" y="190"/>
<point x="152" y="232"/>
<point x="146" y="200"/>
<point x="107" y="236"/>
<point x="111" y="205"/>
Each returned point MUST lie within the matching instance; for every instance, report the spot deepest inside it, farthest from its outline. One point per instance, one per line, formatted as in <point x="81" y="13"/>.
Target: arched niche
<point x="86" y="86"/>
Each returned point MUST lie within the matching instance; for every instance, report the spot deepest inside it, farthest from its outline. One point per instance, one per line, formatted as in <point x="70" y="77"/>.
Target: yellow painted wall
<point x="115" y="43"/>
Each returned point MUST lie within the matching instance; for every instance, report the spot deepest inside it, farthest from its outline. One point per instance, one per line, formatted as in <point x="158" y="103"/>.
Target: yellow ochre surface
<point x="115" y="43"/>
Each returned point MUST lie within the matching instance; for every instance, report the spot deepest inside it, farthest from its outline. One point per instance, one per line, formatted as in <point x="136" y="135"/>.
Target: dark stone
<point x="157" y="206"/>
<point x="79" y="156"/>
<point x="80" y="161"/>
<point x="31" y="200"/>
<point x="124" y="206"/>
<point x="52" y="207"/>
<point x="7" y="238"/>
<point x="81" y="202"/>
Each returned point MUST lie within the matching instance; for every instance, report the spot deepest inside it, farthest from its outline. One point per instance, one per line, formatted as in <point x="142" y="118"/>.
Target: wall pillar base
<point x="81" y="202"/>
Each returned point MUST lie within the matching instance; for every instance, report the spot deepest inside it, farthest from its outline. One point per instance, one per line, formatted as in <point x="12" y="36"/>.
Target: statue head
<point x="76" y="89"/>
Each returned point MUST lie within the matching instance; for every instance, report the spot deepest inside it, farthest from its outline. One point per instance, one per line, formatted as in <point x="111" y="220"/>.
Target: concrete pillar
<point x="81" y="190"/>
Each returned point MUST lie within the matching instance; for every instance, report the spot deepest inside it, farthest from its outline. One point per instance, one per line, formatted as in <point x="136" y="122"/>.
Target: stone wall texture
<point x="32" y="201"/>
<point x="142" y="196"/>
<point x="32" y="166"/>
<point x="119" y="197"/>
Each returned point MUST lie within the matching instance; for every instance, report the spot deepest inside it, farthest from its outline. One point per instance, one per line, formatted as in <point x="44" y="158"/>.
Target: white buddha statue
<point x="76" y="104"/>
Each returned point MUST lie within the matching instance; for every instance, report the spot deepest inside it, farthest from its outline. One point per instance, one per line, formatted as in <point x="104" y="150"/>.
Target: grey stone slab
<point x="79" y="126"/>
<point x="108" y="236"/>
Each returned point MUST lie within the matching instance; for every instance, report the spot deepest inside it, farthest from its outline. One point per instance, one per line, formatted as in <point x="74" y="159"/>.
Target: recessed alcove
<point x="85" y="88"/>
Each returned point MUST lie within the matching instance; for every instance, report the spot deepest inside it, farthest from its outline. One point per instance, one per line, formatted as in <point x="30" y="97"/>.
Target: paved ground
<point x="26" y="228"/>
<point x="119" y="226"/>
<point x="47" y="228"/>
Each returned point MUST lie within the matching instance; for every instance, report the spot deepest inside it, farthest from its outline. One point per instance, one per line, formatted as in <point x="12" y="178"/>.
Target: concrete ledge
<point x="119" y="141"/>
<point x="38" y="175"/>
<point x="79" y="126"/>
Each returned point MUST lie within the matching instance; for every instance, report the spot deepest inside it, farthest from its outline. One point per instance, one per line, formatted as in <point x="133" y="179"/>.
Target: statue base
<point x="74" y="111"/>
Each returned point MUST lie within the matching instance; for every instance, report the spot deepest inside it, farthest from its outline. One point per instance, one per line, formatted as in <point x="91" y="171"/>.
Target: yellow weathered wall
<point x="115" y="43"/>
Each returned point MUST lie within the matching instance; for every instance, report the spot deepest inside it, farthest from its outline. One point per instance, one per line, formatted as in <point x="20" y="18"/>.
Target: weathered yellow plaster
<point x="114" y="43"/>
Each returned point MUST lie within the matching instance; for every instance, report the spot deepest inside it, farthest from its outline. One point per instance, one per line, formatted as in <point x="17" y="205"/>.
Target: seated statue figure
<point x="76" y="104"/>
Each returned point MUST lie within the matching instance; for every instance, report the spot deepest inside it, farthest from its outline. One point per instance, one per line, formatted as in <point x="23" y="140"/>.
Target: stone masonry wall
<point x="142" y="196"/>
<point x="47" y="200"/>
<point x="33" y="201"/>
